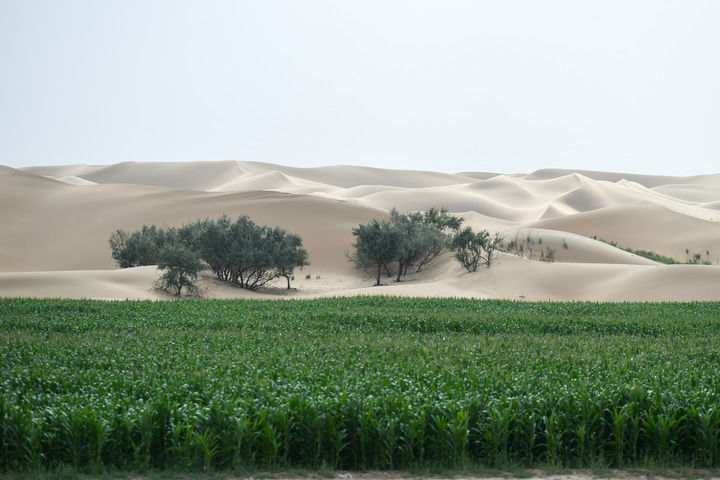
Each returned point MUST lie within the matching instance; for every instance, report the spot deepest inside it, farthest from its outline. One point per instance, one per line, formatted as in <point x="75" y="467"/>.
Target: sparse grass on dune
<point x="356" y="383"/>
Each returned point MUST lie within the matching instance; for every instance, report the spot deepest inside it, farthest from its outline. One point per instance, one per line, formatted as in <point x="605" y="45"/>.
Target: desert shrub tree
<point x="403" y="243"/>
<point x="440" y="225"/>
<point x="409" y="241"/>
<point x="468" y="246"/>
<point x="418" y="242"/>
<point x="119" y="251"/>
<point x="137" y="248"/>
<point x="492" y="248"/>
<point x="250" y="256"/>
<point x="215" y="246"/>
<point x="289" y="253"/>
<point x="473" y="249"/>
<point x="180" y="267"/>
<point x="239" y="252"/>
<point x="377" y="244"/>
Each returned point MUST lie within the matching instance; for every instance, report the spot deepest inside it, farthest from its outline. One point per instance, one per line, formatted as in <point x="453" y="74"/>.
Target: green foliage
<point x="180" y="267"/>
<point x="531" y="246"/>
<point x="137" y="248"/>
<point x="377" y="244"/>
<point x="468" y="247"/>
<point x="654" y="256"/>
<point x="409" y="240"/>
<point x="472" y="249"/>
<point x="419" y="242"/>
<point x="118" y="249"/>
<point x="697" y="258"/>
<point x="249" y="255"/>
<point x="356" y="383"/>
<point x="239" y="252"/>
<point x="287" y="253"/>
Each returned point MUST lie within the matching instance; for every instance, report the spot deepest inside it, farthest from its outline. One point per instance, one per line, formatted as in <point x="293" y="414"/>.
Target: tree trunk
<point x="377" y="283"/>
<point x="400" y="271"/>
<point x="287" y="277"/>
<point x="387" y="270"/>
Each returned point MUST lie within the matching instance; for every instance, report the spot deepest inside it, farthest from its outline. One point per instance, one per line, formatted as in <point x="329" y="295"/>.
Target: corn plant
<point x="356" y="383"/>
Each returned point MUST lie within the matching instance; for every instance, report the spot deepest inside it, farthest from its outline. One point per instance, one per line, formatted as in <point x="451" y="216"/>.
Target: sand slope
<point x="55" y="223"/>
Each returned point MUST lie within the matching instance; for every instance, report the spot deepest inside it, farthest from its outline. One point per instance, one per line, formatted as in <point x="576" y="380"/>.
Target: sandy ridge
<point x="56" y="221"/>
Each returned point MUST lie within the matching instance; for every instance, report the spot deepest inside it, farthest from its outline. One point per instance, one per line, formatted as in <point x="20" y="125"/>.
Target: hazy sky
<point x="508" y="86"/>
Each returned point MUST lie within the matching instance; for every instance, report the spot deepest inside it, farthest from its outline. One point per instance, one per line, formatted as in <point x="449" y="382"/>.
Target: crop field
<point x="356" y="383"/>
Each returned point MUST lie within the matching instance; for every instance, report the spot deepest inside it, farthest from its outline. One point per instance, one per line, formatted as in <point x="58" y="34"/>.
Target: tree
<point x="409" y="248"/>
<point x="492" y="247"/>
<point x="376" y="246"/>
<point x="468" y="246"/>
<point x="119" y="252"/>
<point x="418" y="242"/>
<point x="214" y="244"/>
<point x="441" y="226"/>
<point x="442" y="220"/>
<point x="180" y="267"/>
<point x="472" y="248"/>
<point x="239" y="252"/>
<point x="138" y="248"/>
<point x="288" y="254"/>
<point x="249" y="255"/>
<point x="406" y="241"/>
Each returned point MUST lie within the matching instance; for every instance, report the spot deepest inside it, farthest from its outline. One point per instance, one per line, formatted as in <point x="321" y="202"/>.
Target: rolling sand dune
<point x="66" y="227"/>
<point x="55" y="223"/>
<point x="73" y="180"/>
<point x="644" y="226"/>
<point x="649" y="181"/>
<point x="517" y="279"/>
<point x="187" y="176"/>
<point x="692" y="193"/>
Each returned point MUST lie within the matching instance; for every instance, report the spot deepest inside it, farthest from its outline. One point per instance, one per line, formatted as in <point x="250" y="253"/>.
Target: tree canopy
<point x="239" y="252"/>
<point x="406" y="242"/>
<point x="473" y="249"/>
<point x="377" y="244"/>
<point x="180" y="267"/>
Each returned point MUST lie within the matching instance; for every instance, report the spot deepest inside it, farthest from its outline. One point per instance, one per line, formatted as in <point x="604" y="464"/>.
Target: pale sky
<point x="504" y="86"/>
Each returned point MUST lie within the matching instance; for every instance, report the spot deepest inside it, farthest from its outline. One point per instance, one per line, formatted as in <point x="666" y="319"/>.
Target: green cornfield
<point x="356" y="383"/>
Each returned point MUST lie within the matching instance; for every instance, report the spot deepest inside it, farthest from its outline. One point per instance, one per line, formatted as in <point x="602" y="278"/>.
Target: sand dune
<point x="649" y="181"/>
<point x="66" y="227"/>
<point x="692" y="193"/>
<point x="644" y="226"/>
<point x="56" y="222"/>
<point x="567" y="247"/>
<point x="73" y="180"/>
<point x="187" y="176"/>
<point x="516" y="279"/>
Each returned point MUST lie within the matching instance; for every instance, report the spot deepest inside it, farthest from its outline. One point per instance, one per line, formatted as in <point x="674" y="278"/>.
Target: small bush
<point x="531" y="246"/>
<point x="471" y="249"/>
<point x="649" y="254"/>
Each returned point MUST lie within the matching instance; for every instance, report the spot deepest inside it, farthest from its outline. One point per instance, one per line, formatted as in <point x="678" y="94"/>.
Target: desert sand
<point x="55" y="222"/>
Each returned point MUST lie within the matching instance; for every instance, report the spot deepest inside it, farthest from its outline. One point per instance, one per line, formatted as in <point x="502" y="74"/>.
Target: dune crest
<point x="56" y="221"/>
